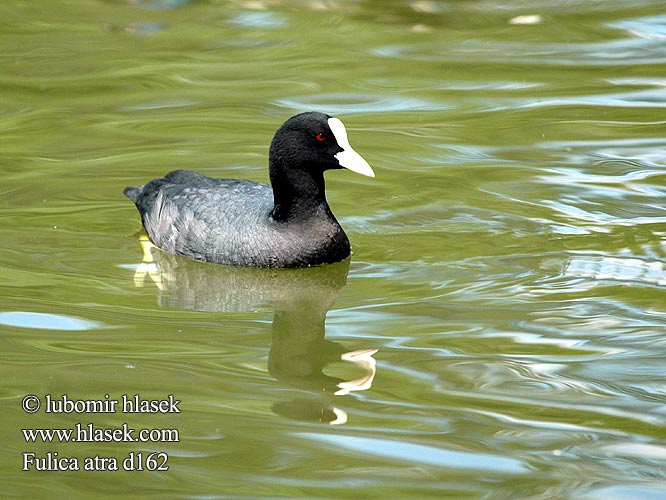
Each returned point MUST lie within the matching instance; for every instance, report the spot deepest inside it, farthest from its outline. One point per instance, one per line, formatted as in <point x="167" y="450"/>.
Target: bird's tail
<point x="133" y="193"/>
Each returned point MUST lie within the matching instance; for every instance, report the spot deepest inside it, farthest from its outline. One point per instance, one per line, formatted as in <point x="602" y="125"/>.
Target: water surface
<point x="499" y="330"/>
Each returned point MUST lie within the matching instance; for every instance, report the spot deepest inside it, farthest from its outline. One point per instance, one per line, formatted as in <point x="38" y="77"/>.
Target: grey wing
<point x="211" y="223"/>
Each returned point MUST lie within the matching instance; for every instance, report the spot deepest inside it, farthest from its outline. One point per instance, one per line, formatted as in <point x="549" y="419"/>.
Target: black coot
<point x="245" y="223"/>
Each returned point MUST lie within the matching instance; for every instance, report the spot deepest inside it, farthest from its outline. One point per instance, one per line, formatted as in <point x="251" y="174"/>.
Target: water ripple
<point x="617" y="269"/>
<point x="423" y="454"/>
<point x="624" y="52"/>
<point x="348" y="103"/>
<point x="259" y="19"/>
<point x="43" y="321"/>
<point x="649" y="27"/>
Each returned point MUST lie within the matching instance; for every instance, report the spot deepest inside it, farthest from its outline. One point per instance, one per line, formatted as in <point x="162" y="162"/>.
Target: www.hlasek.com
<point x="90" y="433"/>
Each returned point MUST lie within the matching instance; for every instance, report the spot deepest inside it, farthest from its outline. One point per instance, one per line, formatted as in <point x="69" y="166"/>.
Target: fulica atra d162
<point x="245" y="223"/>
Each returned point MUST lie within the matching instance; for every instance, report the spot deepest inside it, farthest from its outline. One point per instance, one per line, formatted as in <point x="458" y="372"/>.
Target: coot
<point x="245" y="223"/>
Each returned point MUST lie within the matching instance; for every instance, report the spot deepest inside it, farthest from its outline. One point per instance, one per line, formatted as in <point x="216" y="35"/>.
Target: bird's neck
<point x="298" y="197"/>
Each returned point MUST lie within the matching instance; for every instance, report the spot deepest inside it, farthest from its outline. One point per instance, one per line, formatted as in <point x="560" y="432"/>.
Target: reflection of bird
<point x="300" y="298"/>
<point x="244" y="223"/>
<point x="193" y="285"/>
<point x="362" y="358"/>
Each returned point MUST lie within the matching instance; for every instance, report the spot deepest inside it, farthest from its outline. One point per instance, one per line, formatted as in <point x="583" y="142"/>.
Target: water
<point x="499" y="331"/>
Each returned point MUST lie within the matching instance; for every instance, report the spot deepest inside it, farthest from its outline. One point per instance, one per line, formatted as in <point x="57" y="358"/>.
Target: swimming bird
<point x="244" y="223"/>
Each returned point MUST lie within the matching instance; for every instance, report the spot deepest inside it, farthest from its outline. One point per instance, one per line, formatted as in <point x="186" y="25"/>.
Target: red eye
<point x="320" y="137"/>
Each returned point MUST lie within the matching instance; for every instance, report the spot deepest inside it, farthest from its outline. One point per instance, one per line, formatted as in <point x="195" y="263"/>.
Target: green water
<point x="508" y="266"/>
